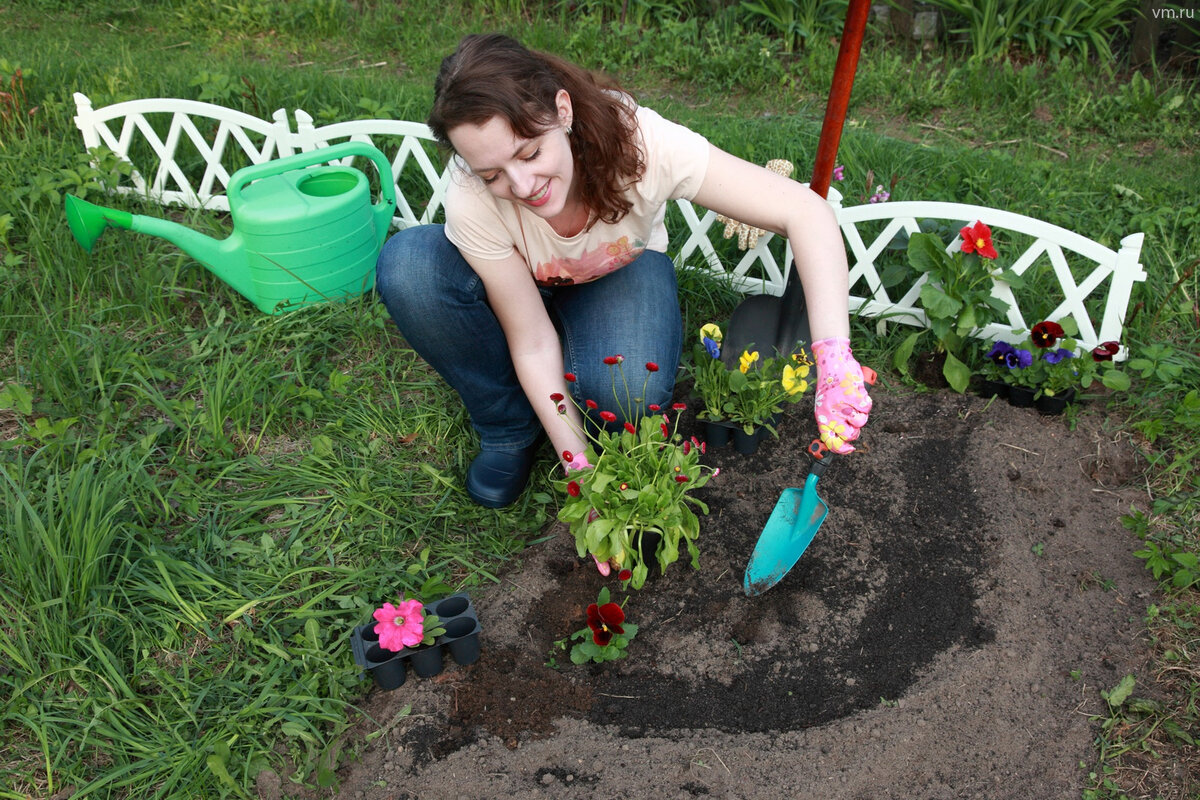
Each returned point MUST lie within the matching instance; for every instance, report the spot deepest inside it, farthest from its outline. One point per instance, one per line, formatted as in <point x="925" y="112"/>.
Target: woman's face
<point x="538" y="173"/>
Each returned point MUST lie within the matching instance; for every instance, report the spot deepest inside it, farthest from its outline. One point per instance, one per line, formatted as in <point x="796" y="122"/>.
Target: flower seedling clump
<point x="1051" y="362"/>
<point x="637" y="490"/>
<point x="957" y="295"/>
<point x="607" y="634"/>
<point x="752" y="394"/>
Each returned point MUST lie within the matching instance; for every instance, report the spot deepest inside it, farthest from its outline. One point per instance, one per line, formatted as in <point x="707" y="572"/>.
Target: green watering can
<point x="301" y="236"/>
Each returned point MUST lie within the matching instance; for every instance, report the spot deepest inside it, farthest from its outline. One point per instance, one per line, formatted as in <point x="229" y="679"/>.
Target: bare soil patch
<point x="945" y="636"/>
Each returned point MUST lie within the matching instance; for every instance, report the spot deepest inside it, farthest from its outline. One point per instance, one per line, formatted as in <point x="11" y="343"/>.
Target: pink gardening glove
<point x="842" y="401"/>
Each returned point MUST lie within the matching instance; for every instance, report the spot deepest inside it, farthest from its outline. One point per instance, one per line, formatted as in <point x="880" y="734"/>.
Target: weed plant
<point x="199" y="501"/>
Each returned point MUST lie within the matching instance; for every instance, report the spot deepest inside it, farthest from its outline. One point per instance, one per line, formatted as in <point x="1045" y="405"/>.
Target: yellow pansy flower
<point x="711" y="331"/>
<point x="746" y="360"/>
<point x="794" y="379"/>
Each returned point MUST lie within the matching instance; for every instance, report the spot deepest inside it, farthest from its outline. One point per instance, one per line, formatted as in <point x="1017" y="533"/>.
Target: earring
<point x="568" y="130"/>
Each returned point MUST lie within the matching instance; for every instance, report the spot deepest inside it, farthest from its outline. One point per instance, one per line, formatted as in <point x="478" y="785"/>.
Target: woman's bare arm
<point x="761" y="198"/>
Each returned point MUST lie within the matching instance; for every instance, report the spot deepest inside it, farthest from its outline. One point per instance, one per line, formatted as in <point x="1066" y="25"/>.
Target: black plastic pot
<point x="718" y="432"/>
<point x="989" y="388"/>
<point x="426" y="659"/>
<point x="462" y="628"/>
<point x="1052" y="405"/>
<point x="747" y="443"/>
<point x="1020" y="396"/>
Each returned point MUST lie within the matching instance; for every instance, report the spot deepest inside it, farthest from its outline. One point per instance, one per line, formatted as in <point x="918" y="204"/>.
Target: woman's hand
<point x="577" y="462"/>
<point x="842" y="401"/>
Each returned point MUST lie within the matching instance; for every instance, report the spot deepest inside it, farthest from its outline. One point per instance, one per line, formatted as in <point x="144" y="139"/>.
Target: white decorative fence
<point x="184" y="151"/>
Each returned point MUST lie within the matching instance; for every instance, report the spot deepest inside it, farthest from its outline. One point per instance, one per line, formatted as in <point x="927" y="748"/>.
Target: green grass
<point x="199" y="501"/>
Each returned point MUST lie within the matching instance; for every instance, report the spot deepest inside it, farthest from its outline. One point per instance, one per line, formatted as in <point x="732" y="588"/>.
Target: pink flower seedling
<point x="400" y="626"/>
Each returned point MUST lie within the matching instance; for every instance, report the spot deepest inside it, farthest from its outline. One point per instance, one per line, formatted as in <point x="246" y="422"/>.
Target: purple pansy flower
<point x="1055" y="356"/>
<point x="712" y="347"/>
<point x="1018" y="359"/>
<point x="999" y="352"/>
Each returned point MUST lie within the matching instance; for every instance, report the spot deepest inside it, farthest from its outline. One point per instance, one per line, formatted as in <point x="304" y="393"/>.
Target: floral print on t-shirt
<point x="607" y="257"/>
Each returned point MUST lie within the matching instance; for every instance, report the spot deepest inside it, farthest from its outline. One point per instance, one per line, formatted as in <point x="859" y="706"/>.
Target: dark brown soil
<point x="946" y="635"/>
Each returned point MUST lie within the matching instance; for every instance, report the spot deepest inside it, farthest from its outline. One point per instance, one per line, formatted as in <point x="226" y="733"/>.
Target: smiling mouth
<point x="540" y="196"/>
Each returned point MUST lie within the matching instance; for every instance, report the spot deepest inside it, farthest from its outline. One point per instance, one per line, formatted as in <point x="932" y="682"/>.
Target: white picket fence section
<point x="184" y="151"/>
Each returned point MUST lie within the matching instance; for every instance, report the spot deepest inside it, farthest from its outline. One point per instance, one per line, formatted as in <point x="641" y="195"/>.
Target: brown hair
<point x="491" y="75"/>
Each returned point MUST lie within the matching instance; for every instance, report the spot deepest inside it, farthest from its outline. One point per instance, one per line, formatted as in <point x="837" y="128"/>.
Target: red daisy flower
<point x="604" y="621"/>
<point x="655" y="407"/>
<point x="557" y="397"/>
<point x="568" y="455"/>
<point x="608" y="416"/>
<point x="651" y="366"/>
<point x="591" y="404"/>
<point x="977" y="238"/>
<point x="681" y="478"/>
<point x="569" y="377"/>
<point x="679" y="406"/>
<point x="573" y="488"/>
<point x="629" y="427"/>
<point x="614" y="360"/>
<point x="624" y="575"/>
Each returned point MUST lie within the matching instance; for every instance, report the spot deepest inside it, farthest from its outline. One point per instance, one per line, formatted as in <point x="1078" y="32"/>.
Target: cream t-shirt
<point x="489" y="228"/>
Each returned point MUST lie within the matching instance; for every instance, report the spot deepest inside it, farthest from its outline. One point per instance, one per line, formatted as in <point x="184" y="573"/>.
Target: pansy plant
<point x="607" y="635"/>
<point x="750" y="395"/>
<point x="1051" y="362"/>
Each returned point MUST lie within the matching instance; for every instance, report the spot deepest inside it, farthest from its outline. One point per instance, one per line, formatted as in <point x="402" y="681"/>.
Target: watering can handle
<point x="321" y="155"/>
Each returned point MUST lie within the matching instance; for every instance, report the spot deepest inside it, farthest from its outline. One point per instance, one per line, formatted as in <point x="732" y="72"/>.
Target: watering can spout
<point x="224" y="258"/>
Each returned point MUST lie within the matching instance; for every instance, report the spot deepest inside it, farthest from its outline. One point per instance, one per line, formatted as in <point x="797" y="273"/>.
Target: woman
<point x="552" y="255"/>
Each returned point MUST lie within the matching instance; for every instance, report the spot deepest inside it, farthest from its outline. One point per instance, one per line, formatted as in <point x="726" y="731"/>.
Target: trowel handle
<point x="822" y="457"/>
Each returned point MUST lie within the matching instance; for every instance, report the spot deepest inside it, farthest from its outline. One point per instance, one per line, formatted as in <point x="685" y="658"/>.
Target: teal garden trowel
<point x="793" y="523"/>
<point x="789" y="531"/>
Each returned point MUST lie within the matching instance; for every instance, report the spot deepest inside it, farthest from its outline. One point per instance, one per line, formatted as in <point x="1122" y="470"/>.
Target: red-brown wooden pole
<point x="839" y="94"/>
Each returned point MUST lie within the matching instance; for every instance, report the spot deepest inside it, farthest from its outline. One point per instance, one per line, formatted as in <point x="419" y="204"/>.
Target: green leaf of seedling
<point x="925" y="252"/>
<point x="904" y="353"/>
<point x="938" y="304"/>
<point x="603" y="597"/>
<point x="1116" y="380"/>
<point x="966" y="321"/>
<point x="16" y="396"/>
<point x="957" y="374"/>
<point x="1117" y="696"/>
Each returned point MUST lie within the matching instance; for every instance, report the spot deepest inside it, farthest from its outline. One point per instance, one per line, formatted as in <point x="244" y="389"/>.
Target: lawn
<point x="199" y="500"/>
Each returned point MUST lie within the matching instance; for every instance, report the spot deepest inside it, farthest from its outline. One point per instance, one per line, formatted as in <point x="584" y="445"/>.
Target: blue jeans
<point x="440" y="306"/>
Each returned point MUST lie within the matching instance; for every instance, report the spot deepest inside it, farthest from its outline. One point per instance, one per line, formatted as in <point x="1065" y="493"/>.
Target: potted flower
<point x="633" y="506"/>
<point x="994" y="372"/>
<point x="710" y="385"/>
<point x="758" y="391"/>
<point x="1066" y="370"/>
<point x="957" y="296"/>
<point x="408" y="626"/>
<point x="1017" y="368"/>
